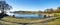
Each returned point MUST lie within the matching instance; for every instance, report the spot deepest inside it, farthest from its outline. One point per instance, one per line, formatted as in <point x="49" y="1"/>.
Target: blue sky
<point x="33" y="5"/>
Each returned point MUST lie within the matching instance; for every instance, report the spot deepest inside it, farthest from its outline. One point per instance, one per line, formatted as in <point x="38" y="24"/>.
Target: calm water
<point x="26" y="15"/>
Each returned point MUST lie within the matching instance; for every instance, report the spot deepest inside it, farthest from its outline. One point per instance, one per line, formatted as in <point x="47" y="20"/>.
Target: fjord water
<point x="26" y="15"/>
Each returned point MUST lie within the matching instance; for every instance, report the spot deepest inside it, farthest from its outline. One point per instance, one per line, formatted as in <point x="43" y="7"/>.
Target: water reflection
<point x="26" y="15"/>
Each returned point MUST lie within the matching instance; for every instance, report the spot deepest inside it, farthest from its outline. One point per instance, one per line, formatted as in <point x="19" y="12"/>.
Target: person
<point x="13" y="16"/>
<point x="48" y="16"/>
<point x="44" y="16"/>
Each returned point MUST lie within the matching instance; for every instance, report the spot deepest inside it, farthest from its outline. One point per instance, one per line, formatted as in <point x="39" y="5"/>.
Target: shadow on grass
<point x="2" y="15"/>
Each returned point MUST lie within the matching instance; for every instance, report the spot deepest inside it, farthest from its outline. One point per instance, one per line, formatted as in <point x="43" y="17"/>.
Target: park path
<point x="42" y="22"/>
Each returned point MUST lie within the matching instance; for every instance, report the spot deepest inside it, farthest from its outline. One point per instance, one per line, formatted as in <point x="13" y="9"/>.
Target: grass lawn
<point x="20" y="20"/>
<point x="55" y="22"/>
<point x="7" y="23"/>
<point x="14" y="21"/>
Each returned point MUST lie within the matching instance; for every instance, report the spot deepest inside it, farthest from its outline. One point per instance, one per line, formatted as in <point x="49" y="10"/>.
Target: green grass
<point x="14" y="21"/>
<point x="7" y="23"/>
<point x="56" y="21"/>
<point x="57" y="14"/>
<point x="20" y="20"/>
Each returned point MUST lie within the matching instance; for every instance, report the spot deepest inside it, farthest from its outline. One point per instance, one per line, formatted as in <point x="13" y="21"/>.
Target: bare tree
<point x="51" y="10"/>
<point x="58" y="10"/>
<point x="4" y="6"/>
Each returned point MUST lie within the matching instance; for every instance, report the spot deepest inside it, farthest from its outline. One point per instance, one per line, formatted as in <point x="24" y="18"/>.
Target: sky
<point x="33" y="5"/>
